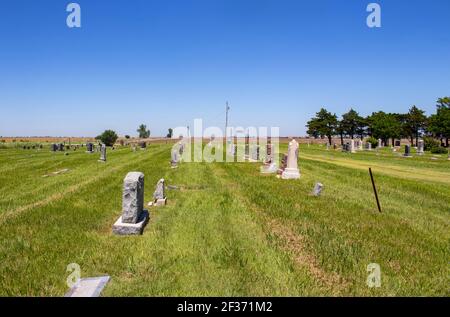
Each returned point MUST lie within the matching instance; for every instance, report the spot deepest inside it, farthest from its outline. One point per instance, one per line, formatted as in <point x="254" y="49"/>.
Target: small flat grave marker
<point x="88" y="287"/>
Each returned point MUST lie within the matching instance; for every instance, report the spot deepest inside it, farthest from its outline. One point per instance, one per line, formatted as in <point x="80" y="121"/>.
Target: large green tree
<point x="439" y="123"/>
<point x="385" y="126"/>
<point x="323" y="124"/>
<point x="108" y="137"/>
<point x="352" y="123"/>
<point x="144" y="133"/>
<point x="443" y="102"/>
<point x="415" y="123"/>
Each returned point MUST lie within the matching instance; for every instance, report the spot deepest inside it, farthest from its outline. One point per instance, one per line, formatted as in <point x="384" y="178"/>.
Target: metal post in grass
<point x="375" y="189"/>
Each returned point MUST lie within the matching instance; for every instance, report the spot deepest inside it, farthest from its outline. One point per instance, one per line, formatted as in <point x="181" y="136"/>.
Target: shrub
<point x="438" y="150"/>
<point x="373" y="141"/>
<point x="109" y="137"/>
<point x="430" y="143"/>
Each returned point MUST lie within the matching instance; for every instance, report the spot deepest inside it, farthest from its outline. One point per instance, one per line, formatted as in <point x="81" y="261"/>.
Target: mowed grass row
<point x="227" y="230"/>
<point x="62" y="225"/>
<point x="205" y="242"/>
<point x="340" y="233"/>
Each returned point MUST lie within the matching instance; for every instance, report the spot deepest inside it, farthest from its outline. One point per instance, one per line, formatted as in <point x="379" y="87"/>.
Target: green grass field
<point x="228" y="230"/>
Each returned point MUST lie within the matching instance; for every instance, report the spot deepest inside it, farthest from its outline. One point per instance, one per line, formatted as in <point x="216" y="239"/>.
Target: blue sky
<point x="165" y="63"/>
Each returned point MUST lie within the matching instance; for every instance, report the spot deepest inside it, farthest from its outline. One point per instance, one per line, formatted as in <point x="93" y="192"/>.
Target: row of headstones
<point x="350" y="147"/>
<point x="353" y="145"/>
<point x="32" y="147"/>
<point x="134" y="217"/>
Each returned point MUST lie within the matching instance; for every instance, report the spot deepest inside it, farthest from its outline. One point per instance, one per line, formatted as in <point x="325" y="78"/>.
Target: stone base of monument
<point x="89" y="152"/>
<point x="291" y="173"/>
<point x="102" y="161"/>
<point x="407" y="156"/>
<point x="160" y="202"/>
<point x="124" y="229"/>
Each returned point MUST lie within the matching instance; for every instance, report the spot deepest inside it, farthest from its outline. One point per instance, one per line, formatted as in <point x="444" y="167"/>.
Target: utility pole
<point x="226" y="119"/>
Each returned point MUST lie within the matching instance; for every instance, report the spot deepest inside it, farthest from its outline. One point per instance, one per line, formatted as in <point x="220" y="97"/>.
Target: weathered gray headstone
<point x="133" y="197"/>
<point x="103" y="153"/>
<point x="134" y="217"/>
<point x="174" y="157"/>
<point x="159" y="194"/>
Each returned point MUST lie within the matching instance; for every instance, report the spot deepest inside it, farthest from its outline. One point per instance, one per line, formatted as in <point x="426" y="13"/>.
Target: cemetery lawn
<point x="227" y="230"/>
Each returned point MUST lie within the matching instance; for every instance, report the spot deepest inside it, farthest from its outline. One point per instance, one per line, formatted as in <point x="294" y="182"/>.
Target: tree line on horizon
<point x="385" y="126"/>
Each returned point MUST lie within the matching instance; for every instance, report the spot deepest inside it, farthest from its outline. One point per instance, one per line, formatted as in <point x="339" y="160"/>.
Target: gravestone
<point x="174" y="157"/>
<point x="283" y="164"/>
<point x="89" y="148"/>
<point x="269" y="153"/>
<point x="134" y="217"/>
<point x="54" y="147"/>
<point x="334" y="146"/>
<point x="103" y="153"/>
<point x="398" y="143"/>
<point x="352" y="146"/>
<point x="407" y="151"/>
<point x="292" y="171"/>
<point x="143" y="145"/>
<point x="420" y="148"/>
<point x="380" y="143"/>
<point x="159" y="194"/>
<point x="232" y="149"/>
<point x="317" y="189"/>
<point x="61" y="147"/>
<point x="254" y="153"/>
<point x="328" y="146"/>
<point x="88" y="287"/>
<point x="368" y="146"/>
<point x="360" y="144"/>
<point x="346" y="147"/>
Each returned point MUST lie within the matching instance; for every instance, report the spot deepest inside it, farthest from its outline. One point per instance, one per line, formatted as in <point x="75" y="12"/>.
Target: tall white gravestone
<point x="352" y="146"/>
<point x="291" y="171"/>
<point x="420" y="147"/>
